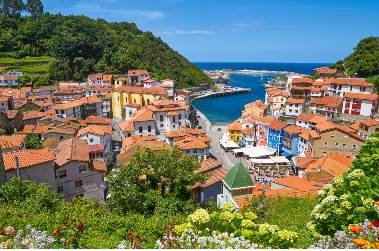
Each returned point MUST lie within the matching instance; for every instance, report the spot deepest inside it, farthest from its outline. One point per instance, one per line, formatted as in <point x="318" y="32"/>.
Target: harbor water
<point x="225" y="109"/>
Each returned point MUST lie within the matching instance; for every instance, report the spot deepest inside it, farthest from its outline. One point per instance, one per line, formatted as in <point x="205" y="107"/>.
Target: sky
<point x="296" y="31"/>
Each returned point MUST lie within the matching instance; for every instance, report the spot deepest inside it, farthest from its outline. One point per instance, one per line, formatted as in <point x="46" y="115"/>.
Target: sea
<point x="226" y="109"/>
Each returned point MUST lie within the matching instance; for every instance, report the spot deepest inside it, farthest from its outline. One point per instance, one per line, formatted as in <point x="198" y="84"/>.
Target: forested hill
<point x="364" y="59"/>
<point x="81" y="46"/>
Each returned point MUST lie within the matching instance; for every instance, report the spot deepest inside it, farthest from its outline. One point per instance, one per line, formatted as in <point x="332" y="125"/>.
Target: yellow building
<point x="278" y="99"/>
<point x="135" y="95"/>
<point x="121" y="82"/>
<point x="256" y="108"/>
<point x="235" y="129"/>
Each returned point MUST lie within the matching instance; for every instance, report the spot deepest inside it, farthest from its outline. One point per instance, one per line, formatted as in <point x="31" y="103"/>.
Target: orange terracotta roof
<point x="314" y="134"/>
<point x="304" y="162"/>
<point x="26" y="129"/>
<point x="348" y="81"/>
<point x="95" y="129"/>
<point x="26" y="158"/>
<point x="143" y="115"/>
<point x="279" y="93"/>
<point x="97" y="120"/>
<point x="248" y="131"/>
<point x="326" y="126"/>
<point x="295" y="101"/>
<point x="107" y="77"/>
<point x="362" y="96"/>
<point x="205" y="138"/>
<point x="207" y="165"/>
<point x="190" y="142"/>
<point x="171" y="113"/>
<point x="4" y="144"/>
<point x="100" y="87"/>
<point x="317" y="119"/>
<point x="305" y="116"/>
<point x="156" y="146"/>
<point x="329" y="101"/>
<point x="328" y="165"/>
<point x="328" y="71"/>
<point x="151" y="90"/>
<point x="325" y="88"/>
<point x="176" y="134"/>
<point x="131" y="141"/>
<point x="133" y="73"/>
<point x="298" y="183"/>
<point x="257" y="103"/>
<point x="248" y="121"/>
<point x="50" y="143"/>
<point x="369" y="122"/>
<point x="73" y="149"/>
<point x="345" y="159"/>
<point x="41" y="128"/>
<point x="99" y="166"/>
<point x="133" y="105"/>
<point x="11" y="114"/>
<point x="267" y="120"/>
<point x="106" y="95"/>
<point x="355" y="126"/>
<point x="15" y="140"/>
<point x="278" y="125"/>
<point x="216" y="175"/>
<point x="235" y="126"/>
<point x="295" y="129"/>
<point x="192" y="131"/>
<point x="33" y="115"/>
<point x="62" y="131"/>
<point x="149" y="80"/>
<point x="126" y="126"/>
<point x="302" y="80"/>
<point x="304" y="135"/>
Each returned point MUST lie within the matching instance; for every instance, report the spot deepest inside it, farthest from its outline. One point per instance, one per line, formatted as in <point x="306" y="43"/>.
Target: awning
<point x="241" y="143"/>
<point x="285" y="154"/>
<point x="279" y="159"/>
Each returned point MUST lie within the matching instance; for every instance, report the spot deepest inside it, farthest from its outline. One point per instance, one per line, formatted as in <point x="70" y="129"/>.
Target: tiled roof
<point x="304" y="162"/>
<point x="26" y="129"/>
<point x="248" y="131"/>
<point x="328" y="71"/>
<point x="130" y="141"/>
<point x="295" y="129"/>
<point x="11" y="114"/>
<point x="369" y="122"/>
<point x="126" y="126"/>
<point x="235" y="126"/>
<point x="279" y="93"/>
<point x="73" y="149"/>
<point x="314" y="134"/>
<point x="14" y="139"/>
<point x="176" y="134"/>
<point x="295" y="101"/>
<point x="143" y="114"/>
<point x="41" y="128"/>
<point x="190" y="142"/>
<point x="33" y="115"/>
<point x="62" y="130"/>
<point x="49" y="143"/>
<point x="106" y="95"/>
<point x="26" y="158"/>
<point x="216" y="175"/>
<point x="99" y="166"/>
<point x="56" y="118"/>
<point x="97" y="120"/>
<point x="348" y="81"/>
<point x="192" y="131"/>
<point x="151" y="90"/>
<point x="304" y="135"/>
<point x="318" y="119"/>
<point x="172" y="113"/>
<point x="257" y="103"/>
<point x="248" y="121"/>
<point x="48" y="88"/>
<point x="328" y="165"/>
<point x="107" y="77"/>
<point x="278" y="125"/>
<point x="164" y="102"/>
<point x="133" y="105"/>
<point x="355" y="126"/>
<point x="362" y="96"/>
<point x="298" y="183"/>
<point x="95" y="129"/>
<point x="149" y="80"/>
<point x="267" y="120"/>
<point x="6" y="144"/>
<point x="326" y="126"/>
<point x="133" y="73"/>
<point x="89" y="100"/>
<point x="329" y="101"/>
<point x="305" y="116"/>
<point x="207" y="165"/>
<point x="345" y="159"/>
<point x="302" y="80"/>
<point x="238" y="177"/>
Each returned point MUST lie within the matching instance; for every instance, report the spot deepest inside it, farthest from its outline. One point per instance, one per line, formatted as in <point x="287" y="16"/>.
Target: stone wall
<point x="57" y="136"/>
<point x="348" y="119"/>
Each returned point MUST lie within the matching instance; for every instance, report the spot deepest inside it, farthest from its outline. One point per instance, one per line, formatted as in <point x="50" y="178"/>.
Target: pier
<point x="219" y="93"/>
<point x="256" y="72"/>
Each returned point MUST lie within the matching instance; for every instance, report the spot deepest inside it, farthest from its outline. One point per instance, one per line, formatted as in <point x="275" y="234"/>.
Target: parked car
<point x="199" y="127"/>
<point x="198" y="116"/>
<point x="116" y="145"/>
<point x="219" y="129"/>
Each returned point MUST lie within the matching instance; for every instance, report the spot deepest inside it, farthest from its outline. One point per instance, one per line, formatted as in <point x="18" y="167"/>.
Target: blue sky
<point x="242" y="31"/>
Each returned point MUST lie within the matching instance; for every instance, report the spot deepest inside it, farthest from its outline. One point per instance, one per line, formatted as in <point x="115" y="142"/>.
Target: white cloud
<point x="131" y="13"/>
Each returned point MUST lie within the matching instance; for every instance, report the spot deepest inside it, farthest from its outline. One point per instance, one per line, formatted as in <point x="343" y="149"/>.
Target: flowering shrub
<point x="231" y="228"/>
<point x="357" y="236"/>
<point x="30" y="239"/>
<point x="351" y="197"/>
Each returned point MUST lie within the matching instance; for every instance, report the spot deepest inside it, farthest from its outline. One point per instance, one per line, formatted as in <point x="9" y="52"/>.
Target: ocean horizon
<point x="224" y="110"/>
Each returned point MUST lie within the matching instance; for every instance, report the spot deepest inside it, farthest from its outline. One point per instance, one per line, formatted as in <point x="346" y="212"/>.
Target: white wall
<point x="144" y="125"/>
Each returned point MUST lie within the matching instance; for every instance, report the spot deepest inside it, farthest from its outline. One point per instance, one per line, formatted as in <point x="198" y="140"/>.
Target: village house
<point x="309" y="121"/>
<point x="193" y="146"/>
<point x="32" y="117"/>
<point x="278" y="99"/>
<point x="330" y="137"/>
<point x="99" y="79"/>
<point x="35" y="165"/>
<point x="105" y="103"/>
<point x="6" y="103"/>
<point x="257" y="108"/>
<point x="248" y="136"/>
<point x="185" y="132"/>
<point x="367" y="127"/>
<point x="360" y="104"/>
<point x="275" y="134"/>
<point x="98" y="140"/>
<point x="41" y="91"/>
<point x="169" y="115"/>
<point x="295" y="106"/>
<point x="235" y="132"/>
<point x="317" y="70"/>
<point x="12" y="119"/>
<point x="302" y="147"/>
<point x="93" y="90"/>
<point x="261" y="130"/>
<point x="268" y="94"/>
<point x="168" y="85"/>
<point x="339" y="87"/>
<point x="319" y="89"/>
<point x="328" y="73"/>
<point x="97" y="120"/>
<point x="137" y="75"/>
<point x="121" y="82"/>
<point x="143" y="122"/>
<point x="64" y="96"/>
<point x="237" y="184"/>
<point x="289" y="79"/>
<point x="15" y="142"/>
<point x="213" y="185"/>
<point x="183" y="96"/>
<point x="81" y="108"/>
<point x="9" y="80"/>
<point x="55" y="120"/>
<point x="13" y="73"/>
<point x="61" y="133"/>
<point x="124" y="95"/>
<point x="291" y="138"/>
<point x="75" y="174"/>
<point x="326" y="106"/>
<point x="300" y="88"/>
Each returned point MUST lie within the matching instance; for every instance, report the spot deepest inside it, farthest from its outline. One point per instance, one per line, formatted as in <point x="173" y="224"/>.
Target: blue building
<point x="275" y="134"/>
<point x="213" y="185"/>
<point x="291" y="139"/>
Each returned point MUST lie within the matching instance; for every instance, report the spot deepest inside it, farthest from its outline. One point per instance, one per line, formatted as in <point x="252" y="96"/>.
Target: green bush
<point x="32" y="143"/>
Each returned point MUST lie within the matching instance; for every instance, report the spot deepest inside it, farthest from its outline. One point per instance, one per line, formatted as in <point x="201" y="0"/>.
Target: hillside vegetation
<point x="80" y="46"/>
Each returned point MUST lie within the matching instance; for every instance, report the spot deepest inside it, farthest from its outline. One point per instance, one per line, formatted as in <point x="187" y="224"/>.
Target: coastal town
<point x="297" y="139"/>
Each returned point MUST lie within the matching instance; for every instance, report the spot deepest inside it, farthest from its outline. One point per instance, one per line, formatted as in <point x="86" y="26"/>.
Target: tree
<point x="152" y="179"/>
<point x="32" y="143"/>
<point x="34" y="7"/>
<point x="11" y="8"/>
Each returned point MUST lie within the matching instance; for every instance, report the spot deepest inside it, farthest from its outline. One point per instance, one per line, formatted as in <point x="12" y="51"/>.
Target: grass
<point x="25" y="60"/>
<point x="29" y="68"/>
<point x="290" y="213"/>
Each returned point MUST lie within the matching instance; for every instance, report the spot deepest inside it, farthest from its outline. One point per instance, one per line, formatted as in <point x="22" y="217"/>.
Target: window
<point x="173" y="119"/>
<point x="281" y="99"/>
<point x="231" y="137"/>
<point x="180" y="116"/>
<point x="194" y="151"/>
<point x="62" y="174"/>
<point x="82" y="169"/>
<point x="135" y="101"/>
<point x="60" y="189"/>
<point x="296" y="111"/>
<point x="129" y="134"/>
<point x="161" y="125"/>
<point x="336" y="145"/>
<point x="140" y="130"/>
<point x="90" y="140"/>
<point x="61" y="138"/>
<point x="238" y="138"/>
<point x="290" y="110"/>
<point x="78" y="183"/>
<point x="344" y="146"/>
<point x="324" y="154"/>
<point x="275" y="145"/>
<point x="354" y="146"/>
<point x="270" y="144"/>
<point x="149" y="128"/>
<point x="345" y="136"/>
<point x="148" y="101"/>
<point x="188" y="151"/>
<point x="275" y="138"/>
<point x="201" y="150"/>
<point x="332" y="135"/>
<point x="326" y="144"/>
<point x="270" y="137"/>
<point x="232" y="132"/>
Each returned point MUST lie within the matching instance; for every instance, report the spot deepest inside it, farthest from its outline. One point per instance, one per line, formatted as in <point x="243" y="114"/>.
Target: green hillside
<point x="75" y="46"/>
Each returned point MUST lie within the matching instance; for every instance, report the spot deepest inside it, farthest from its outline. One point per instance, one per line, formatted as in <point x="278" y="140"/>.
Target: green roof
<point x="238" y="177"/>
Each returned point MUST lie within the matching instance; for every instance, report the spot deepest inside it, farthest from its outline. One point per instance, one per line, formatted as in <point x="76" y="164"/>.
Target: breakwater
<point x="256" y="72"/>
<point x="220" y="93"/>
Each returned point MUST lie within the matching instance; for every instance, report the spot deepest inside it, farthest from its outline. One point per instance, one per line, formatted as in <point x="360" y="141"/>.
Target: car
<point x="116" y="145"/>
<point x="199" y="127"/>
<point x="219" y="129"/>
<point x="198" y="116"/>
<point x="213" y="91"/>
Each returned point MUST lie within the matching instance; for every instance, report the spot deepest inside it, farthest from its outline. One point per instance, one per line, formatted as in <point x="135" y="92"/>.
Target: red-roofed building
<point x="301" y="88"/>
<point x="309" y="121"/>
<point x="275" y="135"/>
<point x="93" y="90"/>
<point x="328" y="73"/>
<point x="367" y="127"/>
<point x="257" y="108"/>
<point x="137" y="75"/>
<point x="339" y="87"/>
<point x="295" y="106"/>
<point x="326" y="106"/>
<point x="360" y="104"/>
